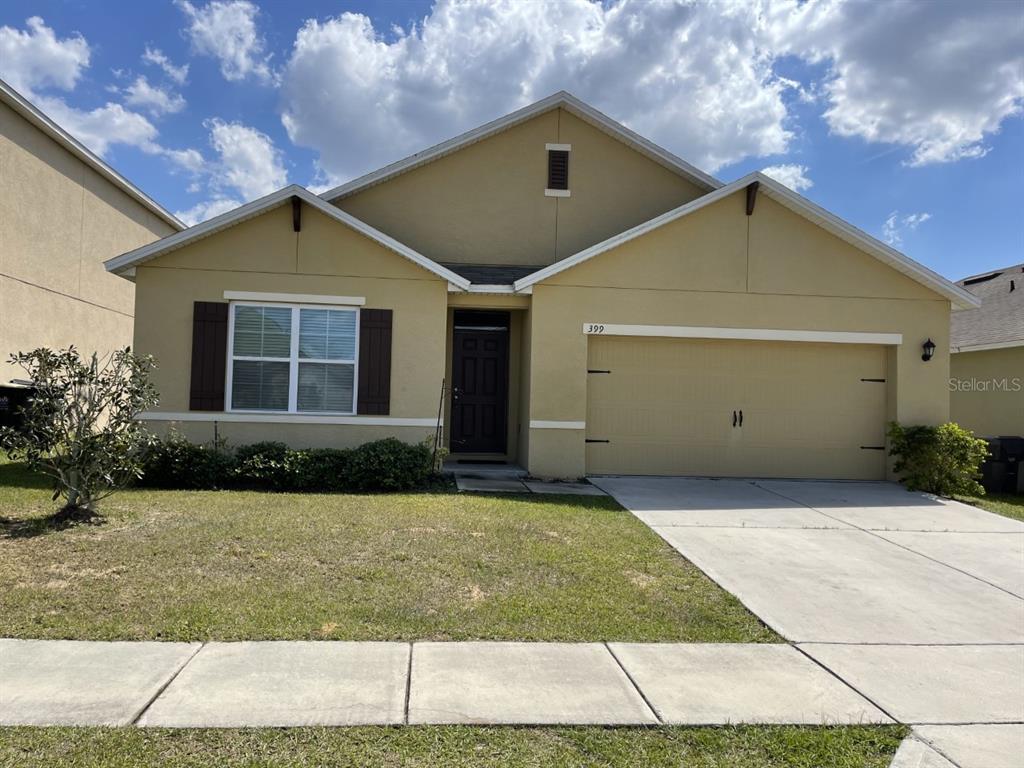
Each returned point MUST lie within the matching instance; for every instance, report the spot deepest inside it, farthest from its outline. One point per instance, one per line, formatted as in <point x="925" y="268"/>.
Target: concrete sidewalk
<point x="60" y="682"/>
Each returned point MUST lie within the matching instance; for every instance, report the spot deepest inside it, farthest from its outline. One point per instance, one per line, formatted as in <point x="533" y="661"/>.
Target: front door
<point x="480" y="382"/>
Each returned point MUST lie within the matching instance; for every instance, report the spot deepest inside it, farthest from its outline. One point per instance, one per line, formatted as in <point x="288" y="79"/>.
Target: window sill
<point x="557" y="193"/>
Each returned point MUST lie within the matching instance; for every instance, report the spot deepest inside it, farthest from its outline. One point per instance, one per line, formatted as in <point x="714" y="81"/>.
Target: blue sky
<point x="904" y="119"/>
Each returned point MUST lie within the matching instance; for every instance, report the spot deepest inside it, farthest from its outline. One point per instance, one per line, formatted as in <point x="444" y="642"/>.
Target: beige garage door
<point x="668" y="406"/>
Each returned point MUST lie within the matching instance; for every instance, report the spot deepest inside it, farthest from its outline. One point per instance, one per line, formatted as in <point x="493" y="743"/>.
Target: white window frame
<point x="293" y="361"/>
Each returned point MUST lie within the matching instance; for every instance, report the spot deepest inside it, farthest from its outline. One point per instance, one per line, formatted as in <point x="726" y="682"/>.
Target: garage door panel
<point x="666" y="408"/>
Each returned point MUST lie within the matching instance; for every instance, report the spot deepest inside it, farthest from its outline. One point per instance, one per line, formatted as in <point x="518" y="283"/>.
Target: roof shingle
<point x="1000" y="318"/>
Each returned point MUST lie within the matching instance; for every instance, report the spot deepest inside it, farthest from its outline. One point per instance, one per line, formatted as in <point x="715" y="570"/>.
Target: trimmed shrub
<point x="266" y="465"/>
<point x="174" y="462"/>
<point x="321" y="469"/>
<point x="389" y="465"/>
<point x="943" y="460"/>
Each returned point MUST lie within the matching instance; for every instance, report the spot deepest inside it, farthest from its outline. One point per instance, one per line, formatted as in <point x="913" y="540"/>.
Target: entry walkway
<point x="915" y="602"/>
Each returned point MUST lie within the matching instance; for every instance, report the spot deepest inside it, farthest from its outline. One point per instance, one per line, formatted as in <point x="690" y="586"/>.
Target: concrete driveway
<point x="915" y="602"/>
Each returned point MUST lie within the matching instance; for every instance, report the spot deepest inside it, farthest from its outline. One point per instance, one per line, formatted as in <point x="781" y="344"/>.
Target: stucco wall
<point x="327" y="258"/>
<point x="987" y="391"/>
<point x="485" y="204"/>
<point x="719" y="267"/>
<point x="59" y="221"/>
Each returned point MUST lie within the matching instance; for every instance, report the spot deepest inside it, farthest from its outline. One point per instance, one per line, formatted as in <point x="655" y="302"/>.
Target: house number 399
<point x="593" y="328"/>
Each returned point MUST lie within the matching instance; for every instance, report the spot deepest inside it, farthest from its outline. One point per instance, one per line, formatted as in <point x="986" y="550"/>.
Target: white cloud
<point x="934" y="77"/>
<point x="158" y="58"/>
<point x="894" y="227"/>
<point x="792" y="175"/>
<point x="36" y="58"/>
<point x="248" y="166"/>
<point x="100" y="127"/>
<point x="691" y="77"/>
<point x="249" y="161"/>
<point x="227" y="30"/>
<point x="207" y="210"/>
<point x="154" y="98"/>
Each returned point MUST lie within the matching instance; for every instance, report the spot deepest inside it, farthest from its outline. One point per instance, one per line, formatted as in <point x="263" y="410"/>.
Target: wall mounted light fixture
<point x="929" y="350"/>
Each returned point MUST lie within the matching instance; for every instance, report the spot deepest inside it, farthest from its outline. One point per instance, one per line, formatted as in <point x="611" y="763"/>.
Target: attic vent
<point x="982" y="279"/>
<point x="558" y="169"/>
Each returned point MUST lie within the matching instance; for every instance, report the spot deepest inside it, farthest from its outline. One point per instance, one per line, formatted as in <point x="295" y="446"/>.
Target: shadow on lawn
<point x="15" y="474"/>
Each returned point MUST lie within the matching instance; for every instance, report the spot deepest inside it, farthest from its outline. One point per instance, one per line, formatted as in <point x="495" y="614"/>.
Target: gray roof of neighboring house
<point x="491" y="274"/>
<point x="1000" y="318"/>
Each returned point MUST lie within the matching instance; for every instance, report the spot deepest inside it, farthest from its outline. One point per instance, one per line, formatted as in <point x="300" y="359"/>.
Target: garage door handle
<point x="741" y="418"/>
<point x="734" y="419"/>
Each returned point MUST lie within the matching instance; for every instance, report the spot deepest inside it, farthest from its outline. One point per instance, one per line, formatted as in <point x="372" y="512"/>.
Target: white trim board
<point x="37" y="118"/>
<point x="561" y="99"/>
<point x="120" y="264"/>
<point x="558" y="147"/>
<point x="543" y="424"/>
<point x="748" y="334"/>
<point x="287" y="418"/>
<point x="986" y="347"/>
<point x="295" y="298"/>
<point x="557" y="193"/>
<point x="961" y="298"/>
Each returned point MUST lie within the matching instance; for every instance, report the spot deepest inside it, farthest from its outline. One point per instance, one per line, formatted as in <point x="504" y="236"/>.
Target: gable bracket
<point x="752" y="188"/>
<point x="296" y="214"/>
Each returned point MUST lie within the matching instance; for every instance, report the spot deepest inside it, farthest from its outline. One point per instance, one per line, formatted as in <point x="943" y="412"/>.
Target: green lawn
<point x="452" y="747"/>
<point x="200" y="565"/>
<point x="1005" y="504"/>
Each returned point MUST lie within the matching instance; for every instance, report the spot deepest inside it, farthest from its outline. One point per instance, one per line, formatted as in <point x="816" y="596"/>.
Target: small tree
<point x="943" y="460"/>
<point x="80" y="426"/>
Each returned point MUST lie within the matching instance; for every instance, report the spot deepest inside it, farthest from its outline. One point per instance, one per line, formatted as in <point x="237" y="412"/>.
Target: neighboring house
<point x="596" y="305"/>
<point x="63" y="211"/>
<point x="987" y="365"/>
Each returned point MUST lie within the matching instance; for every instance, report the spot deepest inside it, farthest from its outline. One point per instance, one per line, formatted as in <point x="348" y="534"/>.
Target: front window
<point x="293" y="358"/>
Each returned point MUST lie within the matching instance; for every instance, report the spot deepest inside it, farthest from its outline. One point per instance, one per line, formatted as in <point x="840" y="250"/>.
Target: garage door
<point x="735" y="408"/>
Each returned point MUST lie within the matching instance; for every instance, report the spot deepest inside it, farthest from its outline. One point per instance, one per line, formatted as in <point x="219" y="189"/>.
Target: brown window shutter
<point x="209" y="355"/>
<point x="558" y="169"/>
<point x="374" y="362"/>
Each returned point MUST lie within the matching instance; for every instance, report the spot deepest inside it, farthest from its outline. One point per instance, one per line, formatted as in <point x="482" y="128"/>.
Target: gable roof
<point x="796" y="203"/>
<point x="999" y="321"/>
<point x="125" y="264"/>
<point x="563" y="100"/>
<point x="38" y="119"/>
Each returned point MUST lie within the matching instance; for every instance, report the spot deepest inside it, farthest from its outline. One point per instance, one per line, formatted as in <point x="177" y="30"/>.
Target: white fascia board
<point x="36" y="117"/>
<point x="295" y="298"/>
<point x="624" y="237"/>
<point x="257" y="207"/>
<point x="987" y="347"/>
<point x="797" y="203"/>
<point x="288" y="418"/>
<point x="744" y="334"/>
<point x="561" y="99"/>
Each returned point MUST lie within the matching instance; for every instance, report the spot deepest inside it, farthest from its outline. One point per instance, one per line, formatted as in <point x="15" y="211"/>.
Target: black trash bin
<point x="12" y="398"/>
<point x="1002" y="473"/>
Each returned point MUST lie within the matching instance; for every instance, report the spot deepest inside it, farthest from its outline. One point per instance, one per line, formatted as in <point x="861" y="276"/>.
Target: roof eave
<point x="960" y="298"/>
<point x="127" y="262"/>
<point x="36" y="117"/>
<point x="561" y="99"/>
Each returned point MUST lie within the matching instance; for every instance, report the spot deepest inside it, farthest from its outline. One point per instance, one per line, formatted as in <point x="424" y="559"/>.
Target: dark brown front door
<point x="480" y="382"/>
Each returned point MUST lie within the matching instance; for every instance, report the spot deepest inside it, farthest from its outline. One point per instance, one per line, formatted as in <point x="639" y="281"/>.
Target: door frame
<point x="483" y="321"/>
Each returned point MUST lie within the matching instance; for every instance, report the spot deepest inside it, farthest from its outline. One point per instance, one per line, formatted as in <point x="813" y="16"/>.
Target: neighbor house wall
<point x="485" y="204"/>
<point x="327" y="258"/>
<point x="987" y="391"/>
<point x="59" y="220"/>
<point x="721" y="268"/>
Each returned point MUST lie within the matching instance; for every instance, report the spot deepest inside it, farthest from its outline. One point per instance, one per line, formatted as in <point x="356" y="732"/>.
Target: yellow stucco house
<point x="987" y="366"/>
<point x="593" y="303"/>
<point x="63" y="211"/>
